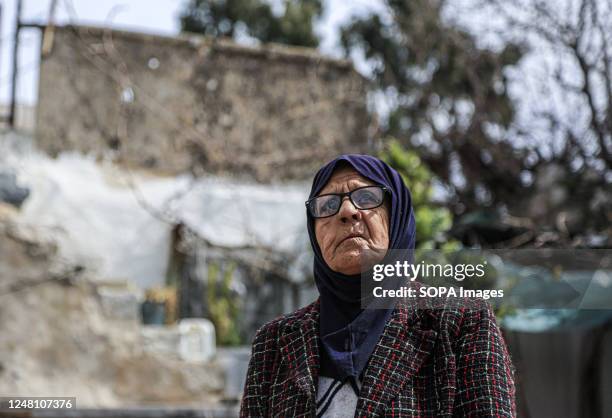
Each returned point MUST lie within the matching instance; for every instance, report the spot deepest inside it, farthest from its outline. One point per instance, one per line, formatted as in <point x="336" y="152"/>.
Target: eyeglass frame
<point x="385" y="189"/>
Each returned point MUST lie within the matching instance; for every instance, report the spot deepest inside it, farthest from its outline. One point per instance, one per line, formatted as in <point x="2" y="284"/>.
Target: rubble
<point x="57" y="340"/>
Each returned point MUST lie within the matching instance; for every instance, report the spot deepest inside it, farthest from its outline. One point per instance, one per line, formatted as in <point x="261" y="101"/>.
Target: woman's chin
<point x="351" y="262"/>
<point x="355" y="260"/>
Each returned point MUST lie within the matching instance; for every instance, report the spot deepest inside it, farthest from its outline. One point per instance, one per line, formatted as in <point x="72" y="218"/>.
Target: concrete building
<point x="195" y="104"/>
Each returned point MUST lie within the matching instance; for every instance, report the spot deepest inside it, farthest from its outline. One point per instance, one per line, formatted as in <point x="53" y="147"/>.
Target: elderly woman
<point x="333" y="358"/>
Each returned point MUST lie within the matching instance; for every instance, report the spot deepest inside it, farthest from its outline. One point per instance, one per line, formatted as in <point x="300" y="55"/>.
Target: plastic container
<point x="197" y="341"/>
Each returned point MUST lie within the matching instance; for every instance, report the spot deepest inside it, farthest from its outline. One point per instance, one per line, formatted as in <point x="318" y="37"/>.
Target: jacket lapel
<point x="300" y="350"/>
<point x="399" y="354"/>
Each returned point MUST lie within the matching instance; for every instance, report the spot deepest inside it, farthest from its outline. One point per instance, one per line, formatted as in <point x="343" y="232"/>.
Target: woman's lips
<point x="350" y="237"/>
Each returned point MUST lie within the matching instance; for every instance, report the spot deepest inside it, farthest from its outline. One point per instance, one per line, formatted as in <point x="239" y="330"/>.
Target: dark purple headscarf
<point x="349" y="333"/>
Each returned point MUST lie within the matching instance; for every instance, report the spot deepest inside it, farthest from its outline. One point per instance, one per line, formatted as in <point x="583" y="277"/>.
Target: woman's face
<point x="344" y="237"/>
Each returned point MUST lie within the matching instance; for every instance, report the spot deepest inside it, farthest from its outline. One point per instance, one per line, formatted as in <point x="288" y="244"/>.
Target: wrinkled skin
<point x="343" y="252"/>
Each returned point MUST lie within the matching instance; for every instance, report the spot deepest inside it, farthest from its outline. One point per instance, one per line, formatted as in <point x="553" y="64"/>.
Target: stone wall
<point x="58" y="340"/>
<point x="194" y="104"/>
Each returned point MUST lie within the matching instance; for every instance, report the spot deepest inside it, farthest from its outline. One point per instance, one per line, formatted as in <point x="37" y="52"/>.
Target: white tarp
<point x="103" y="216"/>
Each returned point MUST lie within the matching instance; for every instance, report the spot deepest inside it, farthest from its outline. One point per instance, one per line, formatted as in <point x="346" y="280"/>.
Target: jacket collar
<point x="403" y="347"/>
<point x="299" y="347"/>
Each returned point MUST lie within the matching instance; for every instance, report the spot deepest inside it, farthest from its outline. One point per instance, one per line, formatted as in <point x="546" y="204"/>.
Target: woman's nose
<point x="348" y="210"/>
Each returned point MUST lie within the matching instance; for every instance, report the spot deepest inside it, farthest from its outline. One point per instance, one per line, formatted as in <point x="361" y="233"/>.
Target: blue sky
<point x="153" y="16"/>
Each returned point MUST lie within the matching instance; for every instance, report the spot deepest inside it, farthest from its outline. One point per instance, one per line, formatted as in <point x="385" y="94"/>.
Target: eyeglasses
<point x="368" y="197"/>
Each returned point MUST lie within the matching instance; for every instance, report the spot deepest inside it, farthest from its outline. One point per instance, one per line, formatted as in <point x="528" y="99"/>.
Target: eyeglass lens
<point x="363" y="198"/>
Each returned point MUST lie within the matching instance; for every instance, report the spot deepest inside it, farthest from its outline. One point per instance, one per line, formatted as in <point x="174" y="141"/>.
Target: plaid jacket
<point x="427" y="363"/>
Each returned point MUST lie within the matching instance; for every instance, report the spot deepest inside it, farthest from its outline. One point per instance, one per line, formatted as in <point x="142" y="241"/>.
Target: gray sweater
<point x="336" y="399"/>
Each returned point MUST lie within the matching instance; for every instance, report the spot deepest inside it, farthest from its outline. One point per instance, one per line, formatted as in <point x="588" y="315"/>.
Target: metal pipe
<point x="11" y="117"/>
<point x="3" y="117"/>
<point x="0" y="37"/>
